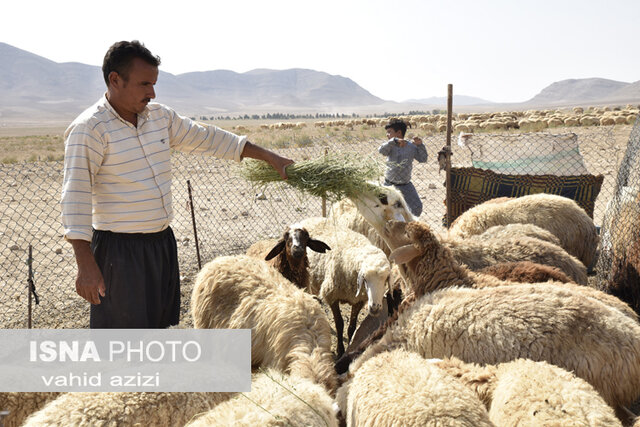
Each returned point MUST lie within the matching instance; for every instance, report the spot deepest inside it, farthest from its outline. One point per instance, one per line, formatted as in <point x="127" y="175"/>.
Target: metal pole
<point x="324" y="200"/>
<point x="448" y="151"/>
<point x="193" y="221"/>
<point x="30" y="286"/>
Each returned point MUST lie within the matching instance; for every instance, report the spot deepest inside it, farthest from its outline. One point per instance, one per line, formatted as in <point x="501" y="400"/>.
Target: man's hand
<point x="278" y="162"/>
<point x="89" y="283"/>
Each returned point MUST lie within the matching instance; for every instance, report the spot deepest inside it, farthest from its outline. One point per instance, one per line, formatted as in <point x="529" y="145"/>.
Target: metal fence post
<point x="324" y="199"/>
<point x="195" y="229"/>
<point x="30" y="286"/>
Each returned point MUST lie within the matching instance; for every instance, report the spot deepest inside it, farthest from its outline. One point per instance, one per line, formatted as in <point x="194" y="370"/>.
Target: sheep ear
<point x="279" y="247"/>
<point x="404" y="254"/>
<point x="360" y="283"/>
<point x="318" y="246"/>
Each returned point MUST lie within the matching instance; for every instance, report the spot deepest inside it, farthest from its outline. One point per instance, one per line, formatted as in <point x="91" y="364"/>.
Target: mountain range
<point x="34" y="87"/>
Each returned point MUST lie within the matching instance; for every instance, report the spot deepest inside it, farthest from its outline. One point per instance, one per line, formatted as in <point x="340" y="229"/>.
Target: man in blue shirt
<point x="400" y="155"/>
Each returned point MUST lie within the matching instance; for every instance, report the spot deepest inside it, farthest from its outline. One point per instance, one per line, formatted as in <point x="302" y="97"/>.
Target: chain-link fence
<point x="618" y="269"/>
<point x="228" y="214"/>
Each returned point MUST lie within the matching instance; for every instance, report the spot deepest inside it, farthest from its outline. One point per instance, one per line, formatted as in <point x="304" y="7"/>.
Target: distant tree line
<point x="293" y="116"/>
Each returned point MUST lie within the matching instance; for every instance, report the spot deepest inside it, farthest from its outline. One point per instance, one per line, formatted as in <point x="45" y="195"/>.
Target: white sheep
<point x="289" y="254"/>
<point x="510" y="231"/>
<point x="560" y="215"/>
<point x="124" y="408"/>
<point x="345" y="213"/>
<point x="401" y="388"/>
<point x="525" y="392"/>
<point x="21" y="405"/>
<point x="534" y="321"/>
<point x="290" y="331"/>
<point x="276" y="399"/>
<point x="353" y="272"/>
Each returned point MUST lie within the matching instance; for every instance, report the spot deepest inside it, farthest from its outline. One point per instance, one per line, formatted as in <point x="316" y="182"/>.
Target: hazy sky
<point x="502" y="50"/>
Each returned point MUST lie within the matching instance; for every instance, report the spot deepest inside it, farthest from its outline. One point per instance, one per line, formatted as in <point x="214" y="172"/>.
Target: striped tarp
<point x="472" y="186"/>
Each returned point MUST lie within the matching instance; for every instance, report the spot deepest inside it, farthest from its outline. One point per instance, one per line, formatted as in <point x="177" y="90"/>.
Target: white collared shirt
<point x="117" y="176"/>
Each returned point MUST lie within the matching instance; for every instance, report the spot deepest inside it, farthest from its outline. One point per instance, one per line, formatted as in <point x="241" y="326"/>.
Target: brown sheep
<point x="477" y="254"/>
<point x="526" y="271"/>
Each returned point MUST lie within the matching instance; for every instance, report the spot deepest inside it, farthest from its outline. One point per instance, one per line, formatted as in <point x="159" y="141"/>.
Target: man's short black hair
<point x="120" y="55"/>
<point x="397" y="125"/>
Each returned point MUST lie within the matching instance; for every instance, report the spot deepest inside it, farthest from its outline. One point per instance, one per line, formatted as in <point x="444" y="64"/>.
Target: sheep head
<point x="295" y="242"/>
<point x="424" y="262"/>
<point x="410" y="240"/>
<point x="375" y="282"/>
<point x="382" y="204"/>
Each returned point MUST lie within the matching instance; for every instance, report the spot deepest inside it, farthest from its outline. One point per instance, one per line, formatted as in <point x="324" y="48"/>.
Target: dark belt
<point x="135" y="236"/>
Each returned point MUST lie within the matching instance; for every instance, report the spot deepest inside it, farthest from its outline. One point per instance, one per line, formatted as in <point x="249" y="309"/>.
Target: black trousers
<point x="142" y="280"/>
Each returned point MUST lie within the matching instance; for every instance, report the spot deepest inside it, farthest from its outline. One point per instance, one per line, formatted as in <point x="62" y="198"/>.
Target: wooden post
<point x="448" y="151"/>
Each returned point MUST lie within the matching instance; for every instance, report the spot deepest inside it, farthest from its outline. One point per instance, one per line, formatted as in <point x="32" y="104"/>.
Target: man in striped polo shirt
<point x="116" y="193"/>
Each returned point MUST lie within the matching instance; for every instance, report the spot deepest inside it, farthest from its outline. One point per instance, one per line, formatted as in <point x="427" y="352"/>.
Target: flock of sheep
<point x="492" y="324"/>
<point x="474" y="122"/>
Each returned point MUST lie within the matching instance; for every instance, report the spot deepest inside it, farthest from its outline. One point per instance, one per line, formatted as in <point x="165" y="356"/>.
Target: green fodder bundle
<point x="334" y="176"/>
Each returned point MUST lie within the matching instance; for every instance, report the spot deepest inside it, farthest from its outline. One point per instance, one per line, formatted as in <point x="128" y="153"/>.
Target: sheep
<point x="290" y="331"/>
<point x="524" y="392"/>
<point x="124" y="408"/>
<point x="345" y="213"/>
<point x="526" y="271"/>
<point x="560" y="215"/>
<point x="540" y="322"/>
<point x="509" y="231"/>
<point x="21" y="405"/>
<point x="478" y="253"/>
<point x="352" y="266"/>
<point x="275" y="399"/>
<point x="289" y="254"/>
<point x="416" y="394"/>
